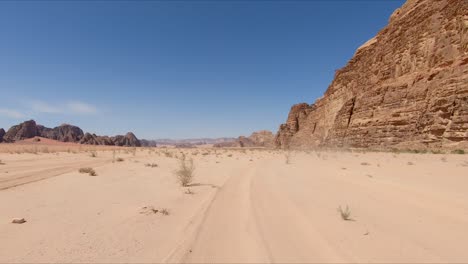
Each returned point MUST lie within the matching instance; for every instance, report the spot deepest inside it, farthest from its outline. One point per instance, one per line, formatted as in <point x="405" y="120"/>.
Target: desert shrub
<point x="2" y="163"/>
<point x="365" y="163"/>
<point x="345" y="213"/>
<point x="152" y="165"/>
<point x="93" y="154"/>
<point x="458" y="151"/>
<point x="90" y="171"/>
<point x="185" y="172"/>
<point x="119" y="159"/>
<point x="165" y="211"/>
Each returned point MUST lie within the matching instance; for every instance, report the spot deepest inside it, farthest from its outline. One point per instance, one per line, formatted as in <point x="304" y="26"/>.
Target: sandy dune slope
<point x="246" y="207"/>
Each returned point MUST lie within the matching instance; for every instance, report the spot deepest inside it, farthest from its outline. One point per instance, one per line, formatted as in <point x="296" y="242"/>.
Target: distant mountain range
<point x="74" y="134"/>
<point x="65" y="133"/>
<point x="190" y="141"/>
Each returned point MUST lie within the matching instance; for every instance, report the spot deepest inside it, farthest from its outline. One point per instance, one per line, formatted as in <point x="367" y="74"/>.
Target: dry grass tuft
<point x="365" y="164"/>
<point x="345" y="213"/>
<point x="2" y="163"/>
<point x="287" y="156"/>
<point x="189" y="191"/>
<point x="152" y="165"/>
<point x="185" y="172"/>
<point x="165" y="211"/>
<point x="119" y="159"/>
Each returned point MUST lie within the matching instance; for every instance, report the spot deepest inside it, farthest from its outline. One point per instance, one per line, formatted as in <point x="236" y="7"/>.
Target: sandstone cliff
<point x="406" y="87"/>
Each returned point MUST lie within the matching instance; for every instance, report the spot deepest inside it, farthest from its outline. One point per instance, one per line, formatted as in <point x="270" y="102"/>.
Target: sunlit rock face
<point x="406" y="87"/>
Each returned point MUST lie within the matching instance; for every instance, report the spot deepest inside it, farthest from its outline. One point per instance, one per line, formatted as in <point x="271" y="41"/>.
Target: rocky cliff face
<point x="27" y="129"/>
<point x="129" y="140"/>
<point x="65" y="133"/>
<point x="2" y="133"/>
<point x="261" y="138"/>
<point x="406" y="87"/>
<point x="93" y="139"/>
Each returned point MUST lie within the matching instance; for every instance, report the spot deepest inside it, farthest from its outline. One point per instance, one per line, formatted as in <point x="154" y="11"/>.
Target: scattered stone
<point x="18" y="221"/>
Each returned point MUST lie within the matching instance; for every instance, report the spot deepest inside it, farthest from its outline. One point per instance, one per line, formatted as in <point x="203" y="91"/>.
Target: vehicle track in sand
<point x="21" y="174"/>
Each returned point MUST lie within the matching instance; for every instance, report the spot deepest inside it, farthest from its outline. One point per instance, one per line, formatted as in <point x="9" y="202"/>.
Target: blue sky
<point x="179" y="69"/>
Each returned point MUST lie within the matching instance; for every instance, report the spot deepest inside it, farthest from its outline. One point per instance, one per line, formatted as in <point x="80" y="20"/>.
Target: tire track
<point x="18" y="179"/>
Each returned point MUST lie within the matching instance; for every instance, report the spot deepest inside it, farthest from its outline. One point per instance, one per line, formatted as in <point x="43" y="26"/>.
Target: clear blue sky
<point x="174" y="69"/>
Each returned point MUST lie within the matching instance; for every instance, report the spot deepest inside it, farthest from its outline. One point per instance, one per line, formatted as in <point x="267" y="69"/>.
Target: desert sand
<point x="243" y="206"/>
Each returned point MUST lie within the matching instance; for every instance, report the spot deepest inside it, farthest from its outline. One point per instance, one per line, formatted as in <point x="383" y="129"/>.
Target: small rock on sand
<point x="18" y="221"/>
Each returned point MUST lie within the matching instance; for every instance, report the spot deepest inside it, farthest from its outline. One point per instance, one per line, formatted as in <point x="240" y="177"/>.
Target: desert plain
<point x="243" y="206"/>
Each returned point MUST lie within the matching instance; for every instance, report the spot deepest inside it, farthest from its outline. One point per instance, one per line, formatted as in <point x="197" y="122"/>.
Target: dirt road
<point x="245" y="207"/>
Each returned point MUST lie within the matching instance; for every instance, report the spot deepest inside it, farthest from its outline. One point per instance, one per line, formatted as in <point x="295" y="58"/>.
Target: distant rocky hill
<point x="406" y="87"/>
<point x="148" y="143"/>
<point x="261" y="138"/>
<point x="65" y="133"/>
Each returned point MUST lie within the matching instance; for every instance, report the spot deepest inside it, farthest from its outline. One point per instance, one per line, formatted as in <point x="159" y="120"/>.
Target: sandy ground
<point x="246" y="206"/>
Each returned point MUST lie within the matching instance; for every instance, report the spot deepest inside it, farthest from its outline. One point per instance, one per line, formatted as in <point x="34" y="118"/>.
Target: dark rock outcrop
<point x="406" y="88"/>
<point x="63" y="133"/>
<point x="129" y="140"/>
<point x="27" y="129"/>
<point x="2" y="133"/>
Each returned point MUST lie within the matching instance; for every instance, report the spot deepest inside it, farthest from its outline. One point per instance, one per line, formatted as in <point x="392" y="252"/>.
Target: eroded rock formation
<point x="129" y="140"/>
<point x="406" y="87"/>
<point x="65" y="133"/>
<point x="27" y="129"/>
